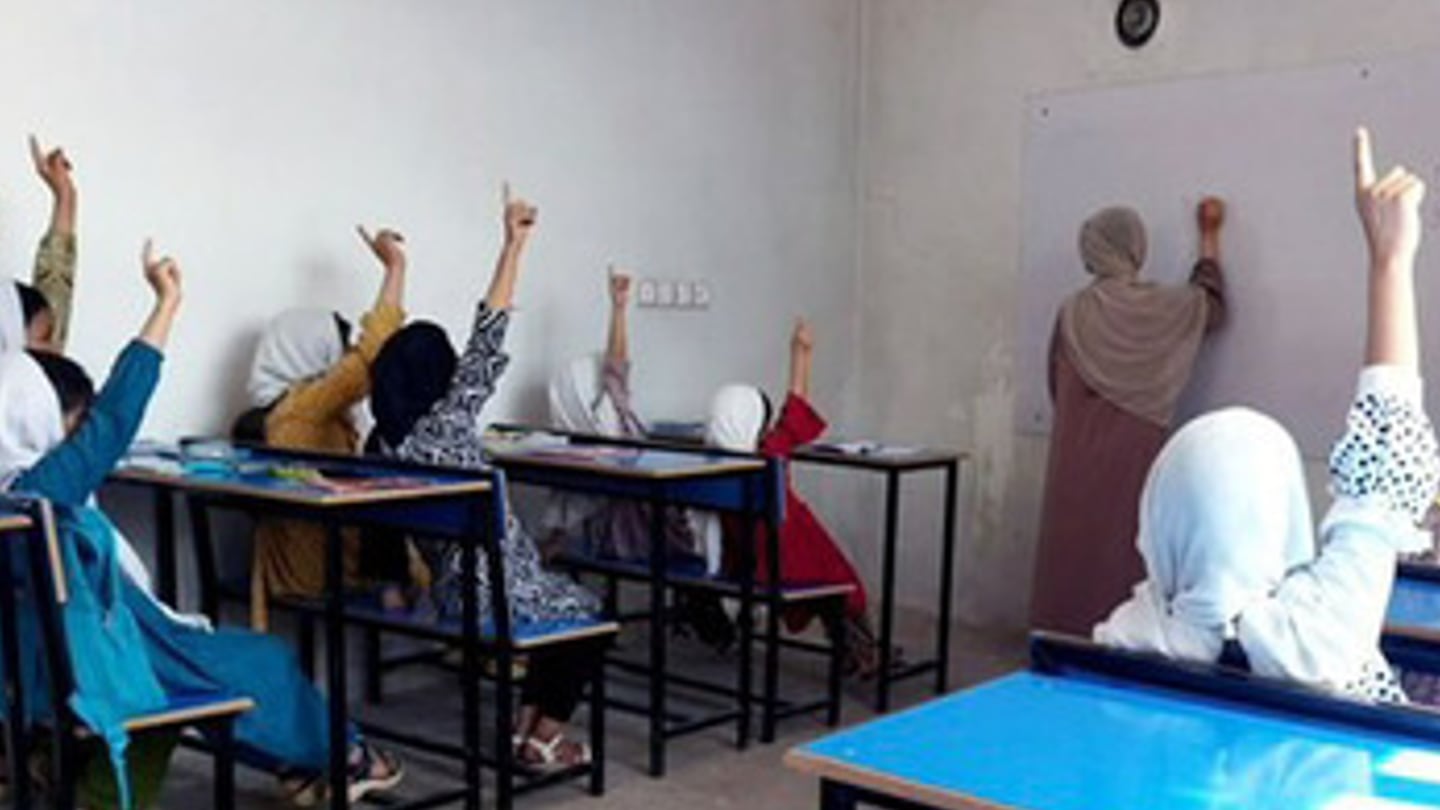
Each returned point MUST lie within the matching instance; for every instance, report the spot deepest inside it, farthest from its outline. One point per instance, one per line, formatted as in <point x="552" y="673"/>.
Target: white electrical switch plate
<point x="647" y="293"/>
<point x="700" y="295"/>
<point x="684" y="294"/>
<point x="665" y="293"/>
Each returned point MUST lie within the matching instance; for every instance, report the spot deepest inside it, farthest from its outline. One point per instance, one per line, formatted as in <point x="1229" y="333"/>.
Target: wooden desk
<point x="455" y="504"/>
<point x="894" y="466"/>
<point x="665" y="477"/>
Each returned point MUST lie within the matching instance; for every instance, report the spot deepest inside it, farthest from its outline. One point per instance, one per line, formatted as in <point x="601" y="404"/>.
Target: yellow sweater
<point x="315" y="415"/>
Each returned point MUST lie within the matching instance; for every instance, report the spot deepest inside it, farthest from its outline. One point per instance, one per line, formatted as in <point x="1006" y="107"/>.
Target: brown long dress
<point x="1086" y="561"/>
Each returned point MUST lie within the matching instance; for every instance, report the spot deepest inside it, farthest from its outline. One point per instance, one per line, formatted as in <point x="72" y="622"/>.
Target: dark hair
<point x="344" y="327"/>
<point x="769" y="412"/>
<point x="410" y="374"/>
<point x="32" y="301"/>
<point x="72" y="384"/>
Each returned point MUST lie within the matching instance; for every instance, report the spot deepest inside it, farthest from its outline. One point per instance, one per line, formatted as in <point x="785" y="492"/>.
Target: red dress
<point x="809" y="554"/>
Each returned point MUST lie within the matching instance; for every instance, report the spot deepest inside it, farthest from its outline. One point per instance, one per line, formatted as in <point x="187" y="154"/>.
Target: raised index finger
<point x="147" y="253"/>
<point x="505" y="193"/>
<point x="35" y="153"/>
<point x="1364" y="161"/>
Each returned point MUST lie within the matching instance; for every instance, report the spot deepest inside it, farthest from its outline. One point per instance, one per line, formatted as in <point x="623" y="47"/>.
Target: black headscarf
<point x="411" y="373"/>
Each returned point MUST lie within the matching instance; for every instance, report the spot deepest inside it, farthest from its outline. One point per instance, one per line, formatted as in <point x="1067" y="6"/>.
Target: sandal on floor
<point x="312" y="790"/>
<point x="549" y="758"/>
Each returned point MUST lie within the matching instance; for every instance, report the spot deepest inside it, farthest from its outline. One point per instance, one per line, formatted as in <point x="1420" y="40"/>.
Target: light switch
<point x="700" y="295"/>
<point x="647" y="293"/>
<point x="684" y="294"/>
<point x="665" y="294"/>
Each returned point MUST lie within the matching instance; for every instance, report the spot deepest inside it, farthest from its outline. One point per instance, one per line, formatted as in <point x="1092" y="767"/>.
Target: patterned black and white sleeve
<point x="1387" y="460"/>
<point x="451" y="434"/>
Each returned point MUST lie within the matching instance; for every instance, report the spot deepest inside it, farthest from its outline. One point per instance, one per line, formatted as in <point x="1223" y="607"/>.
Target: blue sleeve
<point x="70" y="474"/>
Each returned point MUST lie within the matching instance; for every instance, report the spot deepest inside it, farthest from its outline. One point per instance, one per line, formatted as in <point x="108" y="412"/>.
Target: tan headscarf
<point x="1133" y="341"/>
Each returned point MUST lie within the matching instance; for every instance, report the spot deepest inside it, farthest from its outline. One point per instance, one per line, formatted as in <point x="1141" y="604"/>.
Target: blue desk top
<point x="630" y="462"/>
<point x="1049" y="743"/>
<point x="1414" y="605"/>
<point x="327" y="481"/>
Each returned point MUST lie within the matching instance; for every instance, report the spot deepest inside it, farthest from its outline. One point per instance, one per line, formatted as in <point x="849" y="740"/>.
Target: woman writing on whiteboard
<point x="1120" y="356"/>
<point x="1236" y="572"/>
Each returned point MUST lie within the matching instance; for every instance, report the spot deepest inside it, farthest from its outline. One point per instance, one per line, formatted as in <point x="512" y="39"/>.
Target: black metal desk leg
<point x="480" y="531"/>
<point x="947" y="579"/>
<point x="835" y="796"/>
<point x="165" y="576"/>
<point x="887" y="590"/>
<point x="17" y="738"/>
<point x="745" y="666"/>
<point x="204" y="546"/>
<point x="659" y="631"/>
<point x="335" y="666"/>
<point x="597" y="726"/>
<point x="222" y="739"/>
<point x="374" y="674"/>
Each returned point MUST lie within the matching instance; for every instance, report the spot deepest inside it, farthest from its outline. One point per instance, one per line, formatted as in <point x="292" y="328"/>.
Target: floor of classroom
<point x="705" y="770"/>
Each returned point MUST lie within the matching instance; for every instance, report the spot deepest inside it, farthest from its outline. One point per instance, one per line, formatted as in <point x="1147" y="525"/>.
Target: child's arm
<point x="54" y="273"/>
<point x="72" y="472"/>
<point x="617" y="346"/>
<point x="519" y="221"/>
<point x="348" y="381"/>
<point x="1390" y="211"/>
<point x="1383" y="471"/>
<point x="798" y="423"/>
<point x="802" y="352"/>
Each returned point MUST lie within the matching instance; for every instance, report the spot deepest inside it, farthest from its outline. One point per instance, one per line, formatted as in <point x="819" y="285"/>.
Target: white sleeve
<point x="1385" y="469"/>
<point x="1324" y="621"/>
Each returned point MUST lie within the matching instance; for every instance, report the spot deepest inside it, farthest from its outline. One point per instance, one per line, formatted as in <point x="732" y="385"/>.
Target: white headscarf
<point x="31" y="421"/>
<point x="737" y="415"/>
<point x="13" y="335"/>
<point x="578" y="403"/>
<point x="298" y="345"/>
<point x="1224" y="516"/>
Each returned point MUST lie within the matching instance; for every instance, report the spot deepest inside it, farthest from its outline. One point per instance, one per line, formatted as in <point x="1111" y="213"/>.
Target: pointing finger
<point x="1364" y="160"/>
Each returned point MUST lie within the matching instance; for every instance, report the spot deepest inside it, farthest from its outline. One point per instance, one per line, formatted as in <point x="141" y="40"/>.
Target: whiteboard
<point x="1277" y="148"/>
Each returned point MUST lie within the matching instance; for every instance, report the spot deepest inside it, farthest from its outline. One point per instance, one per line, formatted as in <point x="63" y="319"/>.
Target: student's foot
<point x="372" y="770"/>
<point x="555" y="753"/>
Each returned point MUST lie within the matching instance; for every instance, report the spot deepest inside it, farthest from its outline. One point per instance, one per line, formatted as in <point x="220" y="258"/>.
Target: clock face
<point x="1136" y="21"/>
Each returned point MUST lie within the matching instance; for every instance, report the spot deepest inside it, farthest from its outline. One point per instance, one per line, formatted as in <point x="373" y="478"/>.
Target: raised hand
<point x="802" y="339"/>
<point x="1389" y="208"/>
<point x="1210" y="214"/>
<point x="387" y="245"/>
<point x="162" y="273"/>
<point x="619" y="287"/>
<point x="520" y="217"/>
<point x="54" y="168"/>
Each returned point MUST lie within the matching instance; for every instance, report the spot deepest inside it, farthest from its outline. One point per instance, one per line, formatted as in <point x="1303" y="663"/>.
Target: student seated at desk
<point x="809" y="554"/>
<point x="591" y="395"/>
<point x="427" y="403"/>
<point x="1233" y="570"/>
<point x="305" y="383"/>
<point x="59" y="440"/>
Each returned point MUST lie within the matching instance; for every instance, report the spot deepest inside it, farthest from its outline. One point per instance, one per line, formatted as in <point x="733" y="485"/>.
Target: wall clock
<point x="1136" y="21"/>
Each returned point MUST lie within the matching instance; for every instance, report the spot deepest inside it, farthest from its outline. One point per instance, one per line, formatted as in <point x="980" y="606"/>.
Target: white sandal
<point x="549" y="753"/>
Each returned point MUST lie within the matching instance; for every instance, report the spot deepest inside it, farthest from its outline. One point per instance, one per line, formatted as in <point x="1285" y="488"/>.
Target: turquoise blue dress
<point x="287" y="728"/>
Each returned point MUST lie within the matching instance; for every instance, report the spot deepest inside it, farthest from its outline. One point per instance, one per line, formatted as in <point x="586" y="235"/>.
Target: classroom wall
<point x="686" y="139"/>
<point x="941" y="149"/>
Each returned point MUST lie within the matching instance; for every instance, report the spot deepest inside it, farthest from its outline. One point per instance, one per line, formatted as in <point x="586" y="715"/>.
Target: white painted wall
<point x="684" y="138"/>
<point x="945" y="89"/>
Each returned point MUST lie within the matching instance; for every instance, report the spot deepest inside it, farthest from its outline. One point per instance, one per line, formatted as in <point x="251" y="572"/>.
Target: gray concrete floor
<point x="705" y="770"/>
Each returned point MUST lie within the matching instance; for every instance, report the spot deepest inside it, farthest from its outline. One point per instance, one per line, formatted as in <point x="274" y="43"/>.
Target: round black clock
<point x="1136" y="21"/>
